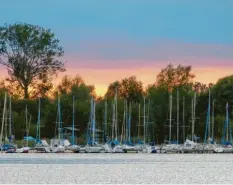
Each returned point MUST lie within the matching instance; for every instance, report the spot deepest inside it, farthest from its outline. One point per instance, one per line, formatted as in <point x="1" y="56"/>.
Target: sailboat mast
<point x="10" y="119"/>
<point x="26" y="123"/>
<point x="59" y="127"/>
<point x="94" y="122"/>
<point x="129" y="122"/>
<point x="209" y="116"/>
<point x="126" y="119"/>
<point x="38" y="124"/>
<point x="177" y="116"/>
<point x="207" y="120"/>
<point x="193" y="115"/>
<point x="147" y="123"/>
<point x="213" y="119"/>
<point x="105" y="120"/>
<point x="116" y="134"/>
<point x="3" y="118"/>
<point x="113" y="119"/>
<point x="227" y="120"/>
<point x="144" y="120"/>
<point x="209" y="131"/>
<point x="123" y="125"/>
<point x="183" y="119"/>
<point x="170" y="117"/>
<point x="139" y="119"/>
<point x="73" y="117"/>
<point x="6" y="124"/>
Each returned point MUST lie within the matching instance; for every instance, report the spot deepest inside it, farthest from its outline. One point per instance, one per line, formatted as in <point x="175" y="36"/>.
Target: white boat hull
<point x="57" y="149"/>
<point x="94" y="149"/>
<point x="22" y="150"/>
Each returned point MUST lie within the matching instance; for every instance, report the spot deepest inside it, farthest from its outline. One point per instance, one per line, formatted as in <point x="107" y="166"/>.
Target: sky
<point x="108" y="40"/>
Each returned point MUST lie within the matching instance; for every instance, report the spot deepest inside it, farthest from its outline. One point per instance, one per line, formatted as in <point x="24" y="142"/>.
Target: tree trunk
<point x="26" y="95"/>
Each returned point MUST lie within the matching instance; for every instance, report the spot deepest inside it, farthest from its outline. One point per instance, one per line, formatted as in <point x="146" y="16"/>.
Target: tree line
<point x="31" y="55"/>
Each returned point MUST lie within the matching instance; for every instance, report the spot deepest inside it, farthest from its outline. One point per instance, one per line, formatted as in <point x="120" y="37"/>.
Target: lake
<point x="115" y="168"/>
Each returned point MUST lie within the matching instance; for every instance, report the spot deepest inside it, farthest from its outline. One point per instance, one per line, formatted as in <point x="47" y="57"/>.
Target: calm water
<point x="116" y="168"/>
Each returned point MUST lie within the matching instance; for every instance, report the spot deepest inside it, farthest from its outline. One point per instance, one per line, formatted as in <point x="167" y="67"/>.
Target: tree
<point x="30" y="54"/>
<point x="222" y="92"/>
<point x="171" y="77"/>
<point x="131" y="89"/>
<point x="112" y="88"/>
<point x="75" y="86"/>
<point x="128" y="88"/>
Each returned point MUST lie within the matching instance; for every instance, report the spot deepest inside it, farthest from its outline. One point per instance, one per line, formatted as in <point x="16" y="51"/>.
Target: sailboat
<point x="25" y="149"/>
<point x="170" y="147"/>
<point x="227" y="131"/>
<point x="117" y="147"/>
<point x="107" y="145"/>
<point x="191" y="146"/>
<point x="41" y="145"/>
<point x="142" y="146"/>
<point x="93" y="146"/>
<point x="7" y="144"/>
<point x="73" y="146"/>
<point x="128" y="145"/>
<point x="57" y="144"/>
<point x="209" y="144"/>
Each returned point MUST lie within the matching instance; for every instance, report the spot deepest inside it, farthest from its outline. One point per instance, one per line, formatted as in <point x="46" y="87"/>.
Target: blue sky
<point x="137" y="32"/>
<point x="195" y="21"/>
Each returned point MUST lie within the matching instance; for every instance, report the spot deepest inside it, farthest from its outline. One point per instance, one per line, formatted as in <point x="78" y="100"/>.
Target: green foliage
<point x="129" y="89"/>
<point x="169" y="81"/>
<point x="30" y="54"/>
<point x="171" y="77"/>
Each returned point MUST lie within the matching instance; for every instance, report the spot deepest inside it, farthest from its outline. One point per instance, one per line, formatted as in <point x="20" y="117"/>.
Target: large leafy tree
<point x="30" y="54"/>
<point x="113" y="88"/>
<point x="75" y="86"/>
<point x="222" y="92"/>
<point x="132" y="89"/>
<point x="172" y="77"/>
<point x="129" y="89"/>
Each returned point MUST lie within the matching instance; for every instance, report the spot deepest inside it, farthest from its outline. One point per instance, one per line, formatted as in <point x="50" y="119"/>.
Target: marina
<point x="60" y="144"/>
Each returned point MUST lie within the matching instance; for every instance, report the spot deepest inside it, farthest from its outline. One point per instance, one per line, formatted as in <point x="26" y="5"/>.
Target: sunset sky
<point x="107" y="40"/>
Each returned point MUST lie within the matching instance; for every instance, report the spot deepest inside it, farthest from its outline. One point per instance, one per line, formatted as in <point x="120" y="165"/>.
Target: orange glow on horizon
<point x="101" y="78"/>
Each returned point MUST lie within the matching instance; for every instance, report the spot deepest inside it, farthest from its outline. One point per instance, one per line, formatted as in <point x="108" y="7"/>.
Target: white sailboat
<point x="92" y="146"/>
<point x="72" y="146"/>
<point x="8" y="143"/>
<point x="169" y="146"/>
<point x="57" y="144"/>
<point x="41" y="145"/>
<point x="25" y="149"/>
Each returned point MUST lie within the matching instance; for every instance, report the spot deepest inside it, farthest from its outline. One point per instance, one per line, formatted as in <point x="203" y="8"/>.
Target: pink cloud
<point x="148" y="50"/>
